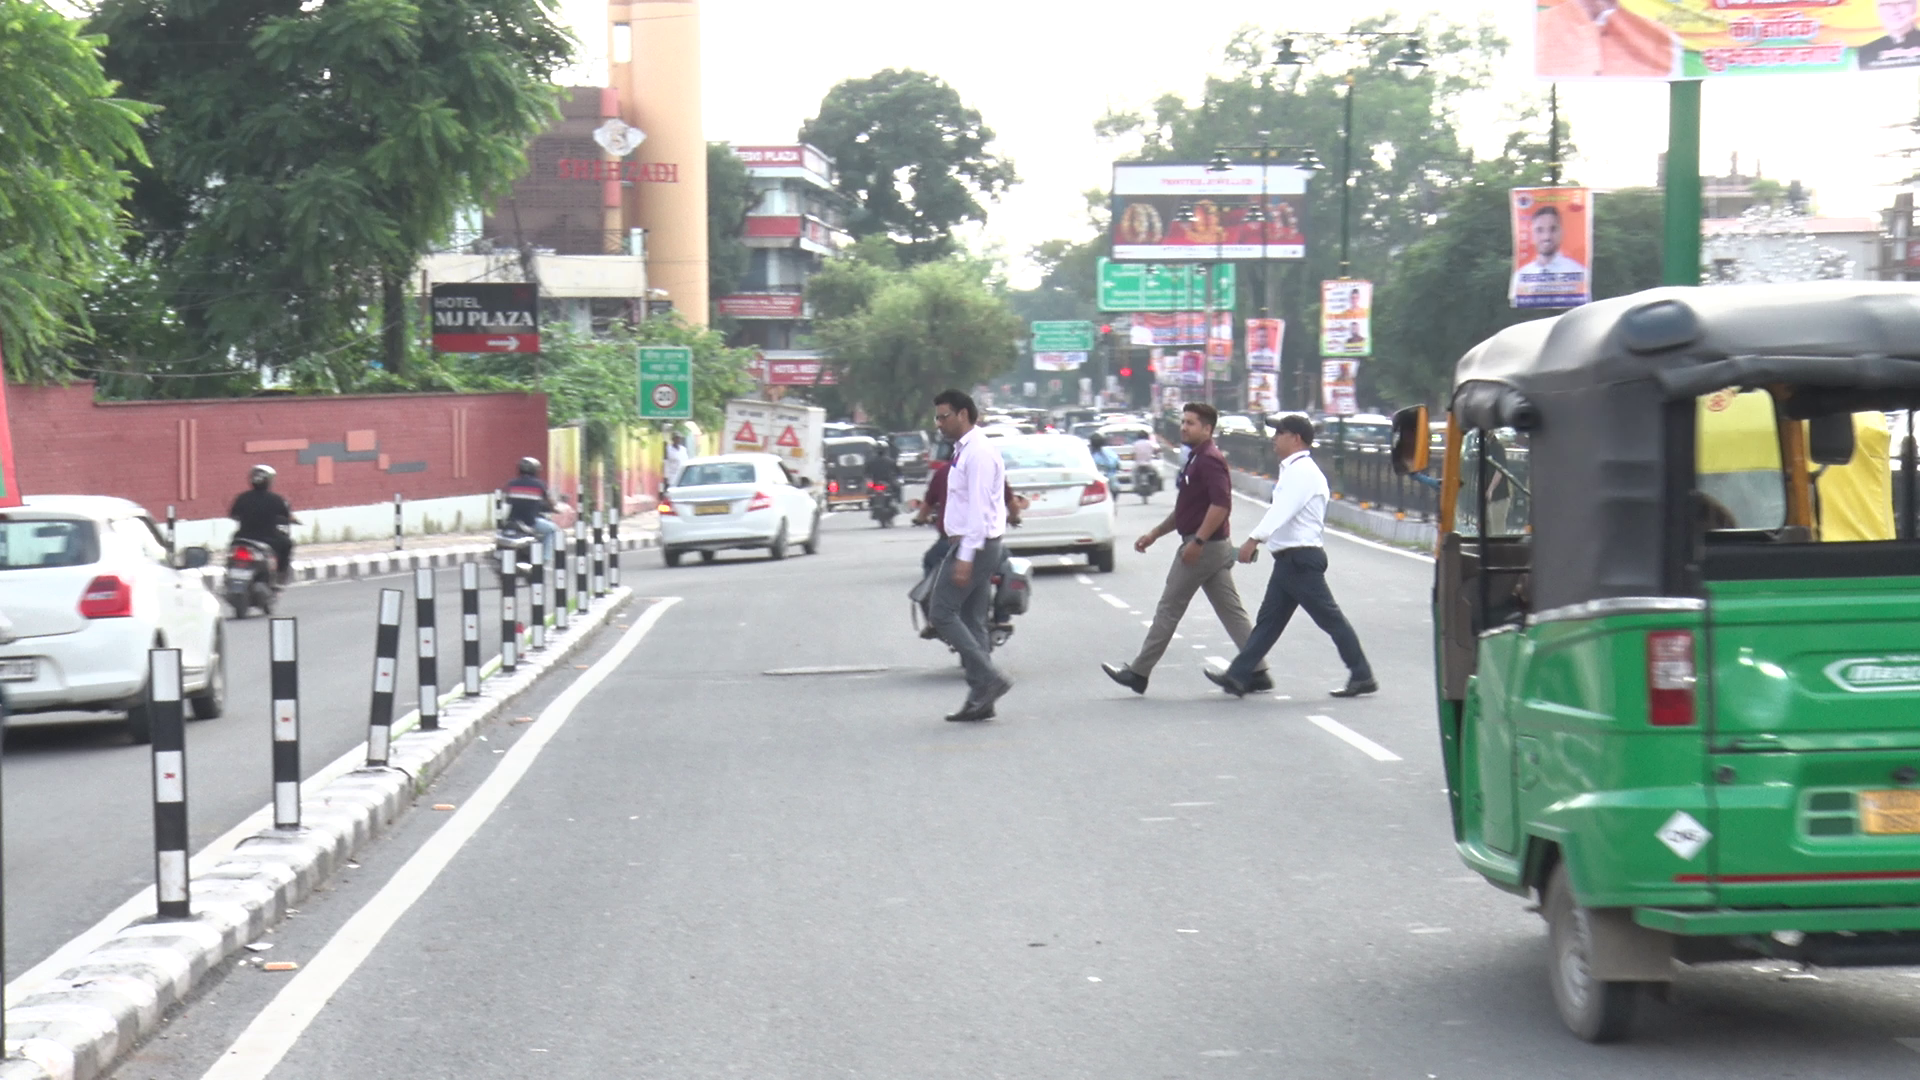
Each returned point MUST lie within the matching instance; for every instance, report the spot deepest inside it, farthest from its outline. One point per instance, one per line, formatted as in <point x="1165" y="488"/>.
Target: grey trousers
<point x="1213" y="571"/>
<point x="961" y="615"/>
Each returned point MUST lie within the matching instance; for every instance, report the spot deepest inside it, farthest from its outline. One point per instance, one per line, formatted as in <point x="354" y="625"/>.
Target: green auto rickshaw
<point x="1678" y="677"/>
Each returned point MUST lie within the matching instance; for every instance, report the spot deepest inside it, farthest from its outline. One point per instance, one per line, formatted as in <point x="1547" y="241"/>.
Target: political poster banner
<point x="1058" y="361"/>
<point x="1264" y="338"/>
<point x="1337" y="381"/>
<point x="1552" y="247"/>
<point x="1168" y="212"/>
<point x="1162" y="329"/>
<point x="1693" y="39"/>
<point x="1346" y="318"/>
<point x="1263" y="392"/>
<point x="1180" y="367"/>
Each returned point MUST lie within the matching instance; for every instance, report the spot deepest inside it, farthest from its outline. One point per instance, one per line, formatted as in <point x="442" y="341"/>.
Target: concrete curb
<point x="373" y="564"/>
<point x="77" y="1025"/>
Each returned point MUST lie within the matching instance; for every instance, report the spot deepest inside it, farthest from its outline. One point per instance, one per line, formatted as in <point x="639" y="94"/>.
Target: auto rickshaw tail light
<point x="1670" y="678"/>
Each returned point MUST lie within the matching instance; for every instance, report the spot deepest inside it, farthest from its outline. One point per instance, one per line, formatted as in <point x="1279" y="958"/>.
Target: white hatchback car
<point x="737" y="501"/>
<point x="86" y="588"/>
<point x="1069" y="507"/>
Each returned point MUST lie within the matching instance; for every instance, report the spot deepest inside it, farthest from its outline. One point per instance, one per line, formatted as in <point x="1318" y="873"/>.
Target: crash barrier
<point x="1357" y="474"/>
<point x="542" y="568"/>
<point x="386" y="669"/>
<point x="283" y="636"/>
<point x="470" y="626"/>
<point x="599" y="555"/>
<point x="426" y="648"/>
<point x="509" y="615"/>
<point x="167" y="720"/>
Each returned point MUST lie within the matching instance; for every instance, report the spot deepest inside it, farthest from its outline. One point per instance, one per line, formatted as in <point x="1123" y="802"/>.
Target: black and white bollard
<point x="386" y="668"/>
<point x="613" y="552"/>
<point x="581" y="597"/>
<point x="427" y="642"/>
<point x="599" y="554"/>
<point x="537" y="588"/>
<point x="509" y="618"/>
<point x="399" y="521"/>
<point x="499" y="509"/>
<point x="169" y="727"/>
<point x="561" y="599"/>
<point x="173" y="530"/>
<point x="470" y="626"/>
<point x="284" y="685"/>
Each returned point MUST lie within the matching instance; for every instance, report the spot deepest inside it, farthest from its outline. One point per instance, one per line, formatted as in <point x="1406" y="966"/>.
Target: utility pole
<point x="1680" y="259"/>
<point x="1553" y="135"/>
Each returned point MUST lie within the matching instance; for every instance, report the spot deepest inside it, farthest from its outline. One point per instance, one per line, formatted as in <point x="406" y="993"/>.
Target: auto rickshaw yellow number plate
<point x="1890" y="812"/>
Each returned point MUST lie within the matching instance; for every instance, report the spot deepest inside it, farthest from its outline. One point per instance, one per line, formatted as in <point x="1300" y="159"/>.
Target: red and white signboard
<point x="763" y="305"/>
<point x="800" y="373"/>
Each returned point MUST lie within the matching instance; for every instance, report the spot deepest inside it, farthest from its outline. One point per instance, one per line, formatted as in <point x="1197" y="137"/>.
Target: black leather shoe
<point x="1356" y="687"/>
<point x="1126" y="677"/>
<point x="1221" y="680"/>
<point x="1261" y="683"/>
<point x="971" y="712"/>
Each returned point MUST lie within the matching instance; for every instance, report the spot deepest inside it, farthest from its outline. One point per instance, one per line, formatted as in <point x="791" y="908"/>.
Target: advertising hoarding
<point x="1346" y="318"/>
<point x="1337" y="381"/>
<point x="1691" y="39"/>
<point x="1180" y="328"/>
<point x="1225" y="211"/>
<point x="1143" y="287"/>
<point x="1552" y="248"/>
<point x="1264" y="338"/>
<point x="1263" y="392"/>
<point x="1058" y="361"/>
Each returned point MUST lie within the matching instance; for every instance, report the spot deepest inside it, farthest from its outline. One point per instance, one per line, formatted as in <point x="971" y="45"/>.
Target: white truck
<point x="796" y="434"/>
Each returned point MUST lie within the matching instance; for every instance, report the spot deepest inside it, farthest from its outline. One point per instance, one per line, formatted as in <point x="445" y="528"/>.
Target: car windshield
<point x="1055" y="452"/>
<point x="716" y="472"/>
<point x="34" y="545"/>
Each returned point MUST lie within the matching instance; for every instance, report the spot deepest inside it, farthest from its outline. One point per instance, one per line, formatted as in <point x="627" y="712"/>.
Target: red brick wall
<point x="330" y="451"/>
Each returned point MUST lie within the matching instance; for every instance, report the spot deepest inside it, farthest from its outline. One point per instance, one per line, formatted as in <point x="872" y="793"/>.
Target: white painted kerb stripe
<point x="1353" y="738"/>
<point x="260" y="1048"/>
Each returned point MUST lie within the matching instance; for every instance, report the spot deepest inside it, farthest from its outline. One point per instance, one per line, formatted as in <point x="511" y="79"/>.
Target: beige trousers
<point x="1213" y="572"/>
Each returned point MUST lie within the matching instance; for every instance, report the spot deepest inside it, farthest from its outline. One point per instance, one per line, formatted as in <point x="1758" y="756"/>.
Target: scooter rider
<point x="881" y="469"/>
<point x="529" y="502"/>
<point x="1146" y="453"/>
<point x="263" y="516"/>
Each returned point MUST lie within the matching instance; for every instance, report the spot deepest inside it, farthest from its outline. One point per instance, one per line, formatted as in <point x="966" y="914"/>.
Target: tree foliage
<point x="307" y="154"/>
<point x="912" y="156"/>
<point x="897" y="337"/>
<point x="730" y="196"/>
<point x="64" y="133"/>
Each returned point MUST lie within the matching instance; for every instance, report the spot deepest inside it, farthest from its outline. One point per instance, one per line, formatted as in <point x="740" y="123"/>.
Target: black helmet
<point x="529" y="466"/>
<point x="261" y="476"/>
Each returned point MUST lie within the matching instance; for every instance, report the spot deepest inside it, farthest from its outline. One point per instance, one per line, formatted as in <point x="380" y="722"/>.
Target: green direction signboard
<point x="1132" y="286"/>
<point x="1062" y="337"/>
<point x="666" y="382"/>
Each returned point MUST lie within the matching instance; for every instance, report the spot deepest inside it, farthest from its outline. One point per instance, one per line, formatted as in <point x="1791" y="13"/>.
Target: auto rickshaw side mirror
<point x="1830" y="439"/>
<point x="1410" y="440"/>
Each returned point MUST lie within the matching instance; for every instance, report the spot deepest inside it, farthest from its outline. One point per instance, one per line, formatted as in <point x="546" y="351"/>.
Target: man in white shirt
<point x="1146" y="455"/>
<point x="676" y="459"/>
<point x="1293" y="531"/>
<point x="974" y="518"/>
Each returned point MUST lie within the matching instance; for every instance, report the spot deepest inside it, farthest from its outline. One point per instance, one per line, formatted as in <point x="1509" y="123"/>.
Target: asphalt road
<point x="78" y="796"/>
<point x="710" y="871"/>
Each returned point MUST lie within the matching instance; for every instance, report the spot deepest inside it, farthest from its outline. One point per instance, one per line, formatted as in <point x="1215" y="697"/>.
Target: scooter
<point x="519" y="543"/>
<point x="880" y="503"/>
<point x="1146" y="481"/>
<point x="250" y="581"/>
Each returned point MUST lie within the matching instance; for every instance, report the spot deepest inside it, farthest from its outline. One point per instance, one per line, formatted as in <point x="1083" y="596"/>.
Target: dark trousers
<point x="961" y="616"/>
<point x="1299" y="581"/>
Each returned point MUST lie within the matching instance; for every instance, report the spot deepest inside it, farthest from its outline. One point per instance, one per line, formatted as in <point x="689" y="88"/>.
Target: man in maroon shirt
<point x="1205" y="557"/>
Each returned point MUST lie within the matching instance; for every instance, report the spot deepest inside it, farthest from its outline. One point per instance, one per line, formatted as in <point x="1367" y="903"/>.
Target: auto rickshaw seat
<point x="1458" y="596"/>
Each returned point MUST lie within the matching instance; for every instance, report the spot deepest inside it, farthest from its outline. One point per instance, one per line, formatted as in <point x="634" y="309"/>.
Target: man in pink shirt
<point x="974" y="518"/>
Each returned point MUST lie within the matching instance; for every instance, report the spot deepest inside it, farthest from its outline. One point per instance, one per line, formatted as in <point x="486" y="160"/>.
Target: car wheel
<point x="1101" y="558"/>
<point x="708" y="556"/>
<point x="1596" y="1011"/>
<point x="671" y="555"/>
<point x="812" y="545"/>
<point x="778" y="549"/>
<point x="211" y="701"/>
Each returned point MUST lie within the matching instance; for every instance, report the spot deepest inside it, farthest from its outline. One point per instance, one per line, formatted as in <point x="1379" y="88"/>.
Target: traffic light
<point x="1126" y="373"/>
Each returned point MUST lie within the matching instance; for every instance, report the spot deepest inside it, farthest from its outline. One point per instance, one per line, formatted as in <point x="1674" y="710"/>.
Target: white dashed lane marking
<point x="1353" y="738"/>
<point x="1217" y="661"/>
<point x="1114" y="600"/>
<point x="1083" y="579"/>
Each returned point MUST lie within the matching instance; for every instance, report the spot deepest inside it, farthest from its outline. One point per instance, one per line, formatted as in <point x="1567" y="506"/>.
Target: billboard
<point x="1180" y="367"/>
<point x="1337" y="381"/>
<point x="1346" y="318"/>
<point x="1058" y="361"/>
<point x="1180" y="328"/>
<point x="1690" y="39"/>
<point x="1140" y="287"/>
<point x="1552" y="248"/>
<point x="1264" y="337"/>
<point x="1225" y="212"/>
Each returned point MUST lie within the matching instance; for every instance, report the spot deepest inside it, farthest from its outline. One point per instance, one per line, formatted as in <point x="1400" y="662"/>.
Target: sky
<point x="1042" y="71"/>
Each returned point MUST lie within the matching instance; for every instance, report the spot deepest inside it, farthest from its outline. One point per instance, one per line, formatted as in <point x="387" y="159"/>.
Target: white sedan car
<point x="86" y="588"/>
<point x="1069" y="507"/>
<point x="733" y="501"/>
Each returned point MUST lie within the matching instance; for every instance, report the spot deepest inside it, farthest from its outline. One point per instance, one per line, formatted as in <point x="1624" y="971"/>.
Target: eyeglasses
<point x="939" y="416"/>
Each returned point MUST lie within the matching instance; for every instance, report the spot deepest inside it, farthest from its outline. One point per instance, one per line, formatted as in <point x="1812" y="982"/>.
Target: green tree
<point x="64" y="134"/>
<point x="308" y="154"/>
<point x="912" y="157"/>
<point x="730" y="196"/>
<point x="919" y="331"/>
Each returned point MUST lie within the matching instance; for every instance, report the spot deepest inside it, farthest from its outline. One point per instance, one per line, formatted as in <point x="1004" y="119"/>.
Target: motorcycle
<point x="1012" y="595"/>
<point x="881" y="504"/>
<point x="251" y="580"/>
<point x="1146" y="481"/>
<point x="515" y="545"/>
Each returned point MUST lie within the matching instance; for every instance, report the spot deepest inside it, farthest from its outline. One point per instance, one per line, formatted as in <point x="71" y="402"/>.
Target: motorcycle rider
<point x="529" y="502"/>
<point x="881" y="469"/>
<point x="263" y="515"/>
<point x="1145" y="453"/>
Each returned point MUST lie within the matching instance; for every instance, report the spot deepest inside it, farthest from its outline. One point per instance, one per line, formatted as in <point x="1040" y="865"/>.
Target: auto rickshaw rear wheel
<point x="1596" y="1011"/>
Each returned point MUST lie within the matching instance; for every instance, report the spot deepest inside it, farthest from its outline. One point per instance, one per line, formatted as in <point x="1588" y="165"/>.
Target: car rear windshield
<point x="1050" y="453"/>
<point x="911" y="442"/>
<point x="719" y="472"/>
<point x="35" y="545"/>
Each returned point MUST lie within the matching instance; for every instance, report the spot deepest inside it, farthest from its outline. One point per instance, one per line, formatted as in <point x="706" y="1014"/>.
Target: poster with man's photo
<point x="1339" y="380"/>
<point x="1552" y="248"/>
<point x="1346" y="318"/>
<point x="1264" y="337"/>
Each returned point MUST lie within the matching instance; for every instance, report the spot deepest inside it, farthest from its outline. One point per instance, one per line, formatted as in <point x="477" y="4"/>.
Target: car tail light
<point x="241" y="554"/>
<point x="1670" y="678"/>
<point x="107" y="597"/>
<point x="1094" y="492"/>
<point x="760" y="501"/>
<point x="666" y="507"/>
